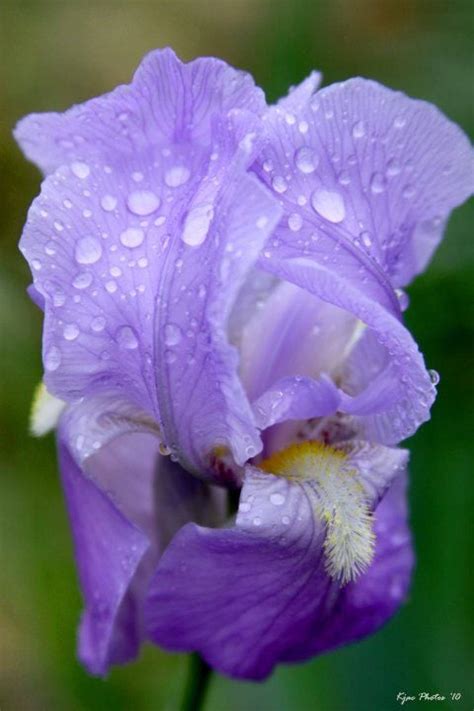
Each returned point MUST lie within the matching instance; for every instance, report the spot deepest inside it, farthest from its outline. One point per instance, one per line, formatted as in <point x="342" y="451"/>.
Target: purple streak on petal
<point x="373" y="180"/>
<point x="407" y="385"/>
<point x="296" y="398"/>
<point x="259" y="591"/>
<point x="166" y="103"/>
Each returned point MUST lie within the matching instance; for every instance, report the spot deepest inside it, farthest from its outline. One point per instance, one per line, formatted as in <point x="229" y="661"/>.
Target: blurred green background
<point x="53" y="54"/>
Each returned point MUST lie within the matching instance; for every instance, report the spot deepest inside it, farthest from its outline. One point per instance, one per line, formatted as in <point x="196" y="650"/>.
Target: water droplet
<point x="366" y="239"/>
<point x="70" y="332"/>
<point x="137" y="177"/>
<point x="279" y="184"/>
<point x="111" y="286"/>
<point x="36" y="264"/>
<point x="126" y="338"/>
<point x="50" y="248"/>
<point x="399" y="122"/>
<point x="262" y="222"/>
<point x="82" y="280"/>
<point x="244" y="507"/>
<point x="306" y="160"/>
<point x="172" y="334"/>
<point x="344" y="178"/>
<point x="67" y="204"/>
<point x="434" y="376"/>
<point x="174" y="177"/>
<point x="285" y="520"/>
<point x="257" y="521"/>
<point x="267" y="166"/>
<point x="408" y="191"/>
<point x="80" y="170"/>
<point x="303" y="127"/>
<point x="143" y="202"/>
<point x="108" y="203"/>
<point x="52" y="359"/>
<point x="329" y="204"/>
<point x="98" y="324"/>
<point x="277" y="499"/>
<point x="377" y="184"/>
<point x="132" y="237"/>
<point x="403" y="299"/>
<point x="358" y="130"/>
<point x="142" y="262"/>
<point x="393" y="168"/>
<point x="295" y="222"/>
<point x="88" y="250"/>
<point x="196" y="226"/>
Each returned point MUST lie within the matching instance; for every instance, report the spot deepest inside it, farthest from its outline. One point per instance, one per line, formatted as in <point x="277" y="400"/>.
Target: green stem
<point x="198" y="681"/>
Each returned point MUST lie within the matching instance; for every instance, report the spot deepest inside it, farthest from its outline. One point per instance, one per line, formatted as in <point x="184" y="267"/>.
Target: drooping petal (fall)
<point x="259" y="593"/>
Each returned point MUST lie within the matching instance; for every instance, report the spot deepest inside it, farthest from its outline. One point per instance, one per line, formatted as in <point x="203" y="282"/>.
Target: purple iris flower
<point x="221" y="287"/>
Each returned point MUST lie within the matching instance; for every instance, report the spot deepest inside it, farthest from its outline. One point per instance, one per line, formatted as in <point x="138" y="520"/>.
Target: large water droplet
<point x="126" y="338"/>
<point x="172" y="334"/>
<point x="358" y="130"/>
<point x="52" y="359"/>
<point x="82" y="280"/>
<point x="174" y="177"/>
<point x="329" y="204"/>
<point x="434" y="376"/>
<point x="377" y="184"/>
<point x="143" y="202"/>
<point x="98" y="324"/>
<point x="132" y="237"/>
<point x="295" y="222"/>
<point x="306" y="160"/>
<point x="108" y="203"/>
<point x="279" y="184"/>
<point x="196" y="226"/>
<point x="277" y="499"/>
<point x="70" y="332"/>
<point x="80" y="170"/>
<point x="88" y="250"/>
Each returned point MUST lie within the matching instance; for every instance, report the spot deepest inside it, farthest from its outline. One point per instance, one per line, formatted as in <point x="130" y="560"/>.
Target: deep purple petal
<point x="167" y="102"/>
<point x="373" y="177"/>
<point x="259" y="592"/>
<point x="126" y="502"/>
<point x="365" y="605"/>
<point x="109" y="549"/>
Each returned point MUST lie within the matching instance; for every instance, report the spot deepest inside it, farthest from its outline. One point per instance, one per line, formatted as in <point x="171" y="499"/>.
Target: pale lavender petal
<point x="297" y="398"/>
<point x="132" y="254"/>
<point x="407" y="388"/>
<point x="168" y="102"/>
<point x="260" y="593"/>
<point x="371" y="182"/>
<point x="292" y="332"/>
